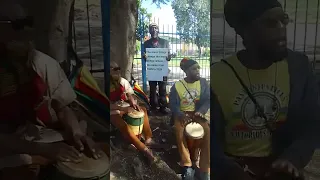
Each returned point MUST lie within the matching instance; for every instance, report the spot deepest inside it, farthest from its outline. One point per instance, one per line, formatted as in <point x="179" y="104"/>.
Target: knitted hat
<point x="186" y="63"/>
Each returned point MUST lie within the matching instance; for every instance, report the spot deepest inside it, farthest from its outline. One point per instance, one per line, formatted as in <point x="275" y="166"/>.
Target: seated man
<point x="121" y="90"/>
<point x="191" y="97"/>
<point x="33" y="84"/>
<point x="265" y="108"/>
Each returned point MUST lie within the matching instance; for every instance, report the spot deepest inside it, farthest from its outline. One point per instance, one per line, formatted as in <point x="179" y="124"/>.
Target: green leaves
<point x="193" y="21"/>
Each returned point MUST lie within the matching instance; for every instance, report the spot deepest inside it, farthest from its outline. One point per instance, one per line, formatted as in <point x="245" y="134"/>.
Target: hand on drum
<point x="135" y="105"/>
<point x="198" y="115"/>
<point x="60" y="152"/>
<point x="127" y="109"/>
<point x="85" y="144"/>
<point x="186" y="119"/>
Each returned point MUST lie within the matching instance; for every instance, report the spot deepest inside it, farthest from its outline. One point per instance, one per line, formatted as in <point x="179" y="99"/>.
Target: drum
<point x="194" y="133"/>
<point x="135" y="121"/>
<point x="88" y="169"/>
<point x="194" y="130"/>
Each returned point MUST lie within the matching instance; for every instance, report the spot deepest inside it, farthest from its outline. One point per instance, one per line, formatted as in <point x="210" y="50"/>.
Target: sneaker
<point x="187" y="173"/>
<point x="202" y="175"/>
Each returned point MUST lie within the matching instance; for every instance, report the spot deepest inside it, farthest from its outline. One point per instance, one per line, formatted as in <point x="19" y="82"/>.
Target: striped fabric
<point x="140" y="94"/>
<point x="89" y="93"/>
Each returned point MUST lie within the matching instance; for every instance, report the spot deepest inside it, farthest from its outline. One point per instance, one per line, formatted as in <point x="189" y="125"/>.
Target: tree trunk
<point x="123" y="23"/>
<point x="211" y="29"/>
<point x="51" y="20"/>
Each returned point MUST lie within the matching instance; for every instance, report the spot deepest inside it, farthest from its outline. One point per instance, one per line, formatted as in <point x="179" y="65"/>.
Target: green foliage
<point x="138" y="47"/>
<point x="193" y="21"/>
<point x="143" y="13"/>
<point x="159" y="2"/>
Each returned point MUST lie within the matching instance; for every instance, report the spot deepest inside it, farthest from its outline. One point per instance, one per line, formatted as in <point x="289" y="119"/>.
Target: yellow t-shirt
<point x="187" y="101"/>
<point x="246" y="133"/>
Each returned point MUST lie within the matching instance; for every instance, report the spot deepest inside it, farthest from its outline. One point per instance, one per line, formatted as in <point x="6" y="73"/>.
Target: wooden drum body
<point x="135" y="121"/>
<point x="88" y="169"/>
<point x="194" y="133"/>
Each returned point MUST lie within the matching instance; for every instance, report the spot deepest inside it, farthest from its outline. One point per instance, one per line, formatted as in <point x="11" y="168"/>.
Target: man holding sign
<point x="157" y="53"/>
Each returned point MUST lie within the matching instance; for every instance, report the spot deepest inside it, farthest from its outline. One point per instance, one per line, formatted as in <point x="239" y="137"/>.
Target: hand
<point x="199" y="117"/>
<point x="127" y="109"/>
<point x="185" y="119"/>
<point x="198" y="114"/>
<point x="85" y="143"/>
<point x="60" y="152"/>
<point x="145" y="56"/>
<point x="285" y="167"/>
<point x="134" y="104"/>
<point x="168" y="58"/>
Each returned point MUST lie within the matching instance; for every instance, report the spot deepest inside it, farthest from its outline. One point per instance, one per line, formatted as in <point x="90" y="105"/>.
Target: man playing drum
<point x="190" y="99"/>
<point x="34" y="96"/>
<point x="265" y="108"/>
<point x="121" y="90"/>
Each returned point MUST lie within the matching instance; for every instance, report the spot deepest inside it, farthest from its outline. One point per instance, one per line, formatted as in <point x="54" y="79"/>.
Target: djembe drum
<point x="194" y="133"/>
<point x="88" y="169"/>
<point x="135" y="121"/>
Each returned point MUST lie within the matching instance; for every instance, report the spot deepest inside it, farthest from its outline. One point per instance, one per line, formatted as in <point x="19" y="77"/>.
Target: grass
<point x="302" y="8"/>
<point x="204" y="62"/>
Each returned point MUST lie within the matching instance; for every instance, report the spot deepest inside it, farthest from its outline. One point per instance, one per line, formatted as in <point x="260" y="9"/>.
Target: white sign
<point x="157" y="64"/>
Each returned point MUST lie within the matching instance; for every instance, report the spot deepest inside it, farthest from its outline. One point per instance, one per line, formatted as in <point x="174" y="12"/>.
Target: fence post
<point x="105" y="12"/>
<point x="143" y="61"/>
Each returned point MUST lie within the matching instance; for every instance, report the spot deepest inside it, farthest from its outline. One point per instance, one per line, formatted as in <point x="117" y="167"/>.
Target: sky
<point x="163" y="16"/>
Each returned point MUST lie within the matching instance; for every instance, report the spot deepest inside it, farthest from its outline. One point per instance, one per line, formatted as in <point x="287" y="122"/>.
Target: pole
<point x="143" y="61"/>
<point x="105" y="12"/>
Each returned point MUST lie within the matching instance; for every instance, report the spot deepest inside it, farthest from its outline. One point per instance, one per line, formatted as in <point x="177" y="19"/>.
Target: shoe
<point x="202" y="175"/>
<point x="187" y="173"/>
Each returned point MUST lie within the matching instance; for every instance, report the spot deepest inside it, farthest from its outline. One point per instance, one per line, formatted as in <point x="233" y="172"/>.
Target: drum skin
<point x="194" y="130"/>
<point x="88" y="169"/>
<point x="135" y="121"/>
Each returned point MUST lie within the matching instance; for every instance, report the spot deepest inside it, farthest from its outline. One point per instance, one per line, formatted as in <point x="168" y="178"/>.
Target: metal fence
<point x="88" y="37"/>
<point x="302" y="30"/>
<point x="178" y="48"/>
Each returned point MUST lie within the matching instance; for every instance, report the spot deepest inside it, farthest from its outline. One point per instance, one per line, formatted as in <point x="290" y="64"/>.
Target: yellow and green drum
<point x="135" y="121"/>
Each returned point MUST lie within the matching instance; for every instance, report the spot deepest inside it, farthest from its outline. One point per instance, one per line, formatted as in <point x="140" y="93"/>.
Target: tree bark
<point x="123" y="23"/>
<point x="51" y="22"/>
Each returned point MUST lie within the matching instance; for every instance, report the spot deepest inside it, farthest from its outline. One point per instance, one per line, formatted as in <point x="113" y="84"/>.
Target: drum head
<point x="194" y="130"/>
<point x="88" y="168"/>
<point x="136" y="114"/>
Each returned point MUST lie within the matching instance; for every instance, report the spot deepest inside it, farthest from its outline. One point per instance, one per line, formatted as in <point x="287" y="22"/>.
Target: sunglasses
<point x="19" y="24"/>
<point x="116" y="69"/>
